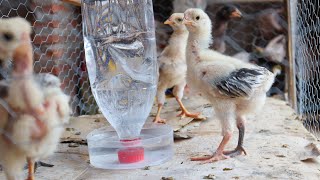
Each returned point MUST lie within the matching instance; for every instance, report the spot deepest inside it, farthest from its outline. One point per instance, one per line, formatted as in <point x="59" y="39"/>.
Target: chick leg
<point x="225" y="113"/>
<point x="218" y="155"/>
<point x="160" y="98"/>
<point x="158" y="119"/>
<point x="38" y="164"/>
<point x="178" y="93"/>
<point x="239" y="149"/>
<point x="30" y="169"/>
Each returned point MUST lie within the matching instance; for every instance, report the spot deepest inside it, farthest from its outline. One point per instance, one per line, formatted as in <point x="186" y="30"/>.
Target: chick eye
<point x="179" y="19"/>
<point x="7" y="36"/>
<point x="198" y="17"/>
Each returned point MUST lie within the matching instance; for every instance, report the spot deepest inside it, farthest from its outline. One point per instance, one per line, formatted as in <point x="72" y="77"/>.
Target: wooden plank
<point x="73" y="2"/>
<point x="171" y="109"/>
<point x="273" y="153"/>
<point x="291" y="73"/>
<point x="242" y="1"/>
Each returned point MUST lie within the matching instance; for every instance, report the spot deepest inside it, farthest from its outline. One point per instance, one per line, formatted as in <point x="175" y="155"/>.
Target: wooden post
<point x="73" y="2"/>
<point x="290" y="71"/>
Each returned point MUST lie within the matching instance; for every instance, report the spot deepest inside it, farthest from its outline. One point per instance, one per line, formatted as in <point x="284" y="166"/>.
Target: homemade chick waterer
<point x="120" y="48"/>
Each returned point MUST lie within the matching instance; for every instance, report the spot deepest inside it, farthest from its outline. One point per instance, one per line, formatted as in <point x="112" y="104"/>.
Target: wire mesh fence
<point x="58" y="46"/>
<point x="58" y="43"/>
<point x="307" y="58"/>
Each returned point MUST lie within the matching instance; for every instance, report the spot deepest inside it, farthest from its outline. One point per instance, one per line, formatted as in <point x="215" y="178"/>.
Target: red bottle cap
<point x="130" y="142"/>
<point x="131" y="155"/>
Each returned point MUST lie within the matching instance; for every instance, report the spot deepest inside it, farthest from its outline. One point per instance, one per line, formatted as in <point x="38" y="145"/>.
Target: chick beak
<point x="187" y="22"/>
<point x="169" y="22"/>
<point x="22" y="57"/>
<point x="236" y="14"/>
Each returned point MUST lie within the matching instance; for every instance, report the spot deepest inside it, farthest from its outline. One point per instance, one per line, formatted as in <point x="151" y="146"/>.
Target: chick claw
<point x="159" y="120"/>
<point x="210" y="158"/>
<point x="191" y="115"/>
<point x="236" y="152"/>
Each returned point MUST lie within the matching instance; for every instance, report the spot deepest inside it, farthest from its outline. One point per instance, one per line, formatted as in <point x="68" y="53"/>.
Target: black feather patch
<point x="240" y="83"/>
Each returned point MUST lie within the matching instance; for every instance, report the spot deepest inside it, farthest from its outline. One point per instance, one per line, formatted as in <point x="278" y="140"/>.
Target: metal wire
<point x="307" y="63"/>
<point x="58" y="44"/>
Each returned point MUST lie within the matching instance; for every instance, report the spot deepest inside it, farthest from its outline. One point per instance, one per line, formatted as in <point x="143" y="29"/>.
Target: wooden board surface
<point x="274" y="141"/>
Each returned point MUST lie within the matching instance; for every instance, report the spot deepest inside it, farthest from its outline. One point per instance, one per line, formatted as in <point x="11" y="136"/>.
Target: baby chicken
<point x="275" y="50"/>
<point x="12" y="158"/>
<point x="234" y="88"/>
<point x="222" y="18"/>
<point x="41" y="108"/>
<point x="40" y="126"/>
<point x="172" y="66"/>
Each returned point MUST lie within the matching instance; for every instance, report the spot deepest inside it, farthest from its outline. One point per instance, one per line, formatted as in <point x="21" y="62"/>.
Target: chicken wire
<point x="58" y="43"/>
<point x="58" y="46"/>
<point x="307" y="56"/>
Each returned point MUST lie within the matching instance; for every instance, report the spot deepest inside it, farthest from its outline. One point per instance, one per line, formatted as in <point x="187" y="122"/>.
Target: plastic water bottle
<point x="120" y="52"/>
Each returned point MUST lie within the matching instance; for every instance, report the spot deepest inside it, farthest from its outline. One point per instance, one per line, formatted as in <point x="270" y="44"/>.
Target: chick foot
<point x="210" y="158"/>
<point x="159" y="120"/>
<point x="218" y="155"/>
<point x="236" y="152"/>
<point x="186" y="113"/>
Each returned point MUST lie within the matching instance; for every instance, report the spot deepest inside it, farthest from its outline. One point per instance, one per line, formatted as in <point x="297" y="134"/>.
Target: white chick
<point x="12" y="158"/>
<point x="38" y="129"/>
<point x="275" y="50"/>
<point x="41" y="108"/>
<point x="172" y="66"/>
<point x="234" y="88"/>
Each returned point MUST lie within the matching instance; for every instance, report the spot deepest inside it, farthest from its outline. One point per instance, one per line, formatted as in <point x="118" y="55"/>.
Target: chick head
<point x="176" y="21"/>
<point x="11" y="32"/>
<point x="197" y="21"/>
<point x="228" y="12"/>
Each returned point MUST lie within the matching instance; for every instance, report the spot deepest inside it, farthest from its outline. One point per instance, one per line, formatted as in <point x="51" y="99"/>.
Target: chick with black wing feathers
<point x="234" y="88"/>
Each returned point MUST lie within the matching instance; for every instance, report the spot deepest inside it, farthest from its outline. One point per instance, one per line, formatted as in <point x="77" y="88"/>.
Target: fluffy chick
<point x="172" y="66"/>
<point x="234" y="88"/>
<point x="12" y="158"/>
<point x="41" y="108"/>
<point x="275" y="50"/>
<point x="38" y="130"/>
